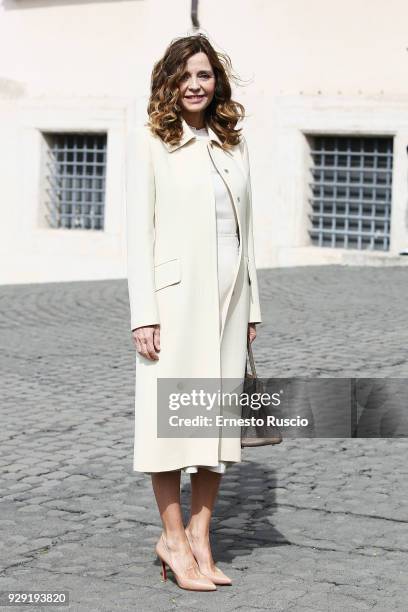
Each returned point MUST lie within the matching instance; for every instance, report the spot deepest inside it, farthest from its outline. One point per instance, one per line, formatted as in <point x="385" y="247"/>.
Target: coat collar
<point x="188" y="134"/>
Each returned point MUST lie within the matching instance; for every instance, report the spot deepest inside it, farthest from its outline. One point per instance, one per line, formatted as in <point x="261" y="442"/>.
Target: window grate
<point x="351" y="191"/>
<point x="75" y="180"/>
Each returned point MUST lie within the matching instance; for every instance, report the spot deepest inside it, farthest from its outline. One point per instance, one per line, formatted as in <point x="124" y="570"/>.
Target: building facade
<point x="327" y="127"/>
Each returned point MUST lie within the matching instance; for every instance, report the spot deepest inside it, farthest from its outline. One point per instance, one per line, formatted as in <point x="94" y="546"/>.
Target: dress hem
<point x="190" y="468"/>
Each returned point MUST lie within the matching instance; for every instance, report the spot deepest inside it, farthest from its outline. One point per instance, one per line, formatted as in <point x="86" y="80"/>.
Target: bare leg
<point x="204" y="489"/>
<point x="173" y="542"/>
<point x="166" y="487"/>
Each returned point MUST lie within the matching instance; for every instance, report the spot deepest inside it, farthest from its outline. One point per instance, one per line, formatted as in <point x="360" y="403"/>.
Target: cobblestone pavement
<point x="309" y="525"/>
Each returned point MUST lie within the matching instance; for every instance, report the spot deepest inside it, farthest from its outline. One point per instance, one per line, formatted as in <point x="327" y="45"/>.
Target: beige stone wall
<point x="312" y="67"/>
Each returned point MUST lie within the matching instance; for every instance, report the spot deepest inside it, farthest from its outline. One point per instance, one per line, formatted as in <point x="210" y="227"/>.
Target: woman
<point x="192" y="281"/>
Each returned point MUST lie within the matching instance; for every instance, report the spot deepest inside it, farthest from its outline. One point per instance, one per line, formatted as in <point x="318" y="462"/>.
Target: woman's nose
<point x="193" y="84"/>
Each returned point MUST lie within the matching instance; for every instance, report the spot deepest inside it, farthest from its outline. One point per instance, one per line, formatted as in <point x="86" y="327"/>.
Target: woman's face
<point x="197" y="85"/>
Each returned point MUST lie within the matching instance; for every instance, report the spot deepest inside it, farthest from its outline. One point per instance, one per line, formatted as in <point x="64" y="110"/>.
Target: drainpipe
<point x="194" y="14"/>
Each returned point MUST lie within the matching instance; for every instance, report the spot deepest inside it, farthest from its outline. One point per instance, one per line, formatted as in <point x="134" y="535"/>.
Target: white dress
<point x="227" y="250"/>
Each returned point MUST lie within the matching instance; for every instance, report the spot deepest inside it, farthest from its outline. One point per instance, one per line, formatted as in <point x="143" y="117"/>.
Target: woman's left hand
<point x="251" y="331"/>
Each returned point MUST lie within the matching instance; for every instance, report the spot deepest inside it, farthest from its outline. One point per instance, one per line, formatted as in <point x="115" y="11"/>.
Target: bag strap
<point x="251" y="358"/>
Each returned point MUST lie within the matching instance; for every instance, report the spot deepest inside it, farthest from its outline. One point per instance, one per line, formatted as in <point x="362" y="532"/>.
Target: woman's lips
<point x="195" y="98"/>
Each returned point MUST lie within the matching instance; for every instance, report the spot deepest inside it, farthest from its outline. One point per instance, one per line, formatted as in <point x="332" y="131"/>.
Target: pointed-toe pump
<point x="201" y="583"/>
<point x="217" y="576"/>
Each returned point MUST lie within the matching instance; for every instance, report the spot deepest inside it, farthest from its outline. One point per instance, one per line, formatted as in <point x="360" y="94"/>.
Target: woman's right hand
<point x="147" y="341"/>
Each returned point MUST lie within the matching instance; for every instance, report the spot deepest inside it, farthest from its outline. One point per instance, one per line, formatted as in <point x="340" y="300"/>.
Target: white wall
<point x="311" y="66"/>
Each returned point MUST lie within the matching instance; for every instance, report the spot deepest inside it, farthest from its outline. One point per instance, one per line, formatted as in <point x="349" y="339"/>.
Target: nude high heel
<point x="202" y="583"/>
<point x="217" y="576"/>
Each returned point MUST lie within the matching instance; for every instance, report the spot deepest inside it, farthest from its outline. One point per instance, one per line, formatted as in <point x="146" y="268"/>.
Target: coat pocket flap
<point x="167" y="273"/>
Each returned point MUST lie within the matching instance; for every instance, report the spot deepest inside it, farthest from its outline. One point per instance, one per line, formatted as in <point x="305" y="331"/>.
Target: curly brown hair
<point x="222" y="114"/>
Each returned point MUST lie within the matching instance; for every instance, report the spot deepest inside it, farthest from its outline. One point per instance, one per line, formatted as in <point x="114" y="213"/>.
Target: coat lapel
<point x="188" y="135"/>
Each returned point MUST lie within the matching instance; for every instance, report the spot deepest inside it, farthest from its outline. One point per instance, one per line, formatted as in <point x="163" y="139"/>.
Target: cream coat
<point x="172" y="280"/>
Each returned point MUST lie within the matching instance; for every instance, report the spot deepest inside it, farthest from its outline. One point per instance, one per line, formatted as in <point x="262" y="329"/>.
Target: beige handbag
<point x="257" y="435"/>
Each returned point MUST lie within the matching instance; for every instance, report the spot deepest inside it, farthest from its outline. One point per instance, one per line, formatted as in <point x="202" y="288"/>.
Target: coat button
<point x="225" y="169"/>
<point x="238" y="199"/>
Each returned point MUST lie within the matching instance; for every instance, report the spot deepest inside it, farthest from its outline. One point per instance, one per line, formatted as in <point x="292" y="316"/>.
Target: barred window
<point x="75" y="171"/>
<point x="351" y="191"/>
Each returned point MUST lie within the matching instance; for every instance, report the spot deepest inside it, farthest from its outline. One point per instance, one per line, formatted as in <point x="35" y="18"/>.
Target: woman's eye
<point x="200" y="76"/>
